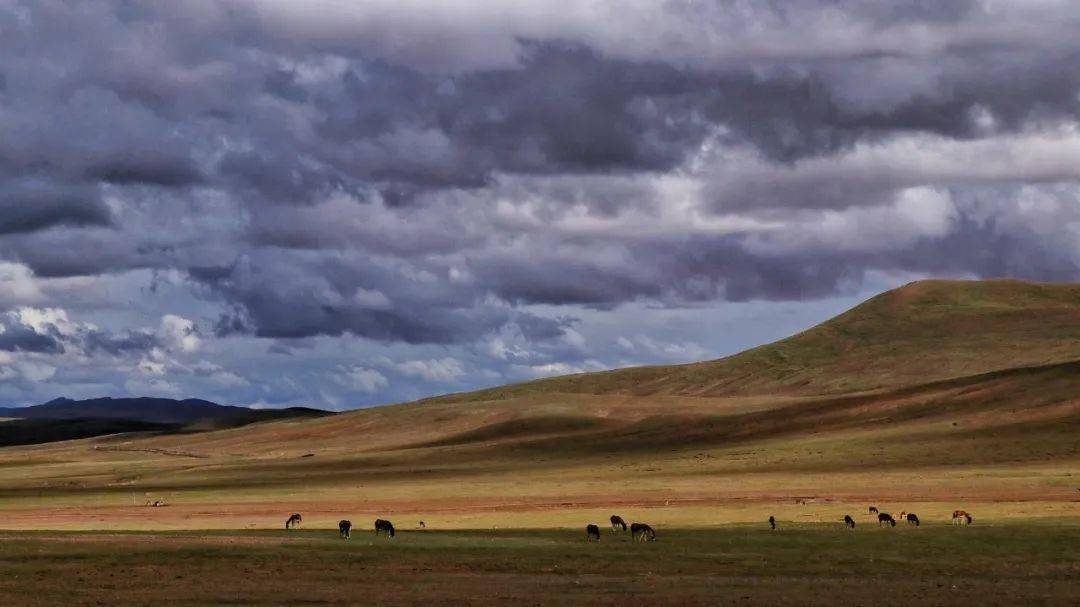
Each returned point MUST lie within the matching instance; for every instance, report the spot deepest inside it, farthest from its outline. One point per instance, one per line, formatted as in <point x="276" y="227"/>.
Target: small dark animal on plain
<point x="850" y="522"/>
<point x="617" y="523"/>
<point x="960" y="516"/>
<point x="884" y="518"/>
<point x="912" y="519"/>
<point x="421" y="525"/>
<point x="642" y="532"/>
<point x="873" y="510"/>
<point x="294" y="520"/>
<point x="772" y="523"/>
<point x="592" y="532"/>
<point x="345" y="529"/>
<point x="387" y="526"/>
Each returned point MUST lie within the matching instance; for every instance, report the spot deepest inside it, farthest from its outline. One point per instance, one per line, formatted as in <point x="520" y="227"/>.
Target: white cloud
<point x="44" y="320"/>
<point x="179" y="333"/>
<point x="558" y="368"/>
<point x="446" y="369"/>
<point x="17" y="285"/>
<point x="363" y="379"/>
<point x="35" y="371"/>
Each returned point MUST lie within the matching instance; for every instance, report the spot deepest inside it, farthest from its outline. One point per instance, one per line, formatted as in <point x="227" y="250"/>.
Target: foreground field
<point x="1020" y="562"/>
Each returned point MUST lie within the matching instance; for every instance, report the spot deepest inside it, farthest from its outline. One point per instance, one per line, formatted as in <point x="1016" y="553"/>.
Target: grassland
<point x="931" y="398"/>
<point x="748" y="565"/>
<point x="926" y="331"/>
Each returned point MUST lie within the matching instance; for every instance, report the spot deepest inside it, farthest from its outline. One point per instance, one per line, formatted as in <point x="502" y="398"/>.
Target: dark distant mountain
<point x="37" y="431"/>
<point x="97" y="416"/>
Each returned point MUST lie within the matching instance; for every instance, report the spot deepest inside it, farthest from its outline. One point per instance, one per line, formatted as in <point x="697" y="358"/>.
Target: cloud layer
<point x="340" y="204"/>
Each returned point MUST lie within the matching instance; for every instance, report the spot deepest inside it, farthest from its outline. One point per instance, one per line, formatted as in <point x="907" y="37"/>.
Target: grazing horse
<point x="873" y="510"/>
<point x="344" y="529"/>
<point x="294" y="520"/>
<point x="592" y="532"/>
<point x="912" y="519"/>
<point x="617" y="523"/>
<point x="850" y="522"/>
<point x="642" y="532"/>
<point x="961" y="517"/>
<point x="387" y="526"/>
<point x="421" y="525"/>
<point x="772" y="523"/>
<point x="884" y="518"/>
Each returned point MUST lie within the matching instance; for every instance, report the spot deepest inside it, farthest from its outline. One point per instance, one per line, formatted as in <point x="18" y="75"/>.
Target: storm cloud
<point x="461" y="194"/>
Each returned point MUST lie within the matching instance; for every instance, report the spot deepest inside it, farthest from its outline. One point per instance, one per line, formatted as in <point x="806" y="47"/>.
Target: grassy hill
<point x="925" y="331"/>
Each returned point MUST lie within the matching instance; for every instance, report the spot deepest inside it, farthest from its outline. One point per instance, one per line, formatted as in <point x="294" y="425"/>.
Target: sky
<point x="341" y="204"/>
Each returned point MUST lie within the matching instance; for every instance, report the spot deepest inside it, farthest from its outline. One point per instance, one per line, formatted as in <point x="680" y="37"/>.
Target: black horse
<point x="885" y="518"/>
<point x="642" y="532"/>
<point x="772" y="523"/>
<point x="387" y="526"/>
<point x="617" y="523"/>
<point x="592" y="532"/>
<point x="344" y="529"/>
<point x="421" y="525"/>
<point x="850" y="522"/>
<point x="912" y="519"/>
<point x="294" y="520"/>
<point x="873" y="510"/>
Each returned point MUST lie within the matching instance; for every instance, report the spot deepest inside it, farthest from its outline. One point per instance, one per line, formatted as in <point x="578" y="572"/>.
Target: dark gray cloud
<point x="18" y="337"/>
<point x="33" y="204"/>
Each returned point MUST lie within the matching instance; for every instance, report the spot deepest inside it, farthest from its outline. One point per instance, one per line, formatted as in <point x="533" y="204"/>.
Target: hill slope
<point x="925" y="331"/>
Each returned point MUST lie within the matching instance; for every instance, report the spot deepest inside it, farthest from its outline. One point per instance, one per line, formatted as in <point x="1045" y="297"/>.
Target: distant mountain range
<point x="65" y="418"/>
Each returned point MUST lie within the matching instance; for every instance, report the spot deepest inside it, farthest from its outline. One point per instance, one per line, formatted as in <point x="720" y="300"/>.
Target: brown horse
<point x="293" y="521"/>
<point x="642" y="532"/>
<point x="345" y="529"/>
<point x="617" y="523"/>
<point x="383" y="525"/>
<point x="592" y="532"/>
<point x="961" y="517"/>
<point x="884" y="518"/>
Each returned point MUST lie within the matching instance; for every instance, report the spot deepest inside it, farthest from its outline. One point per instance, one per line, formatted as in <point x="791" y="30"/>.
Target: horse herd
<point x="959" y="517"/>
<point x="345" y="526"/>
<point x="640" y="532"/>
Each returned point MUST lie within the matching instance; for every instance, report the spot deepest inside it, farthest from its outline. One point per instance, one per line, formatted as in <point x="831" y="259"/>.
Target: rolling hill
<point x="939" y="391"/>
<point x="925" y="331"/>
